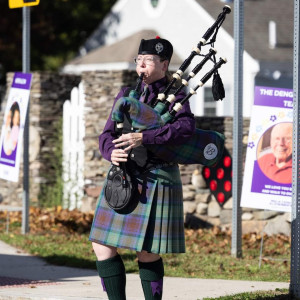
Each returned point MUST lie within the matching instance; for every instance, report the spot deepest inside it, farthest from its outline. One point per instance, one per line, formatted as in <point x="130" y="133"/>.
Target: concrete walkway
<point x="24" y="277"/>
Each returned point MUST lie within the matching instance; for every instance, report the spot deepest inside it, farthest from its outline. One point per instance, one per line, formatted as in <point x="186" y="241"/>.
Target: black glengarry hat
<point x="157" y="46"/>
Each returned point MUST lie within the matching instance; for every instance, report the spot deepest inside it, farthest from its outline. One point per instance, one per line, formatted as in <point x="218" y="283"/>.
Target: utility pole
<point x="295" y="235"/>
<point x="26" y="69"/>
<point x="237" y="161"/>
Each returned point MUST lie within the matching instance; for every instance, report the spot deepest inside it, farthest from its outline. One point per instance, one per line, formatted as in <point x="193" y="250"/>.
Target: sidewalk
<point x="24" y="277"/>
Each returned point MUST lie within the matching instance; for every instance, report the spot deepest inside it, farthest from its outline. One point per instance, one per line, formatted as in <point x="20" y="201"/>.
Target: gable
<point x="258" y="14"/>
<point x="121" y="51"/>
<point x="181" y="22"/>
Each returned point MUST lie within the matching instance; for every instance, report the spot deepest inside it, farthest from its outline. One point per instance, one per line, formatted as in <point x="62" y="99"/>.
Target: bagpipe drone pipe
<point x="205" y="146"/>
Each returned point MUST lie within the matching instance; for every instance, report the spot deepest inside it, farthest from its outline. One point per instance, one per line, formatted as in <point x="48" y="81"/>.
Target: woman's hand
<point x="117" y="156"/>
<point x="129" y="141"/>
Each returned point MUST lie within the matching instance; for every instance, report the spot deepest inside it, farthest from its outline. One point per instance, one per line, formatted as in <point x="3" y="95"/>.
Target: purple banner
<point x="8" y="159"/>
<point x="262" y="184"/>
<point x="22" y="81"/>
<point x="273" y="97"/>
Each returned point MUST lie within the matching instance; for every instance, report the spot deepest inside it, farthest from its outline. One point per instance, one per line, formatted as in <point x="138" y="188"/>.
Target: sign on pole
<point x="267" y="180"/>
<point x="13" y="127"/>
<point x="22" y="3"/>
<point x="26" y="67"/>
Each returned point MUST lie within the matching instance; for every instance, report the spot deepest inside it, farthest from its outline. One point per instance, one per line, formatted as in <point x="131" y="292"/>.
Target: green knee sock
<point x="113" y="277"/>
<point x="151" y="275"/>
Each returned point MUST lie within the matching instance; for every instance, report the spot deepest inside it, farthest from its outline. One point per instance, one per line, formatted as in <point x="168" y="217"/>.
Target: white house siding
<point x="183" y="23"/>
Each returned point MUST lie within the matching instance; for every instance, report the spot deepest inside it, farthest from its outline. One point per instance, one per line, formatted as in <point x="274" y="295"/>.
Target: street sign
<point x="22" y="3"/>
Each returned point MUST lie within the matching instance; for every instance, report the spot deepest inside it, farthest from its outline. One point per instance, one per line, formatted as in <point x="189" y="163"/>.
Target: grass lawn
<point x="208" y="254"/>
<point x="279" y="294"/>
<point x="61" y="237"/>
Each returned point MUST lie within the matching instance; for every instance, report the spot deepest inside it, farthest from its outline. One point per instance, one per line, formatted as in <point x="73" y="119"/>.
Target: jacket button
<point x="132" y="155"/>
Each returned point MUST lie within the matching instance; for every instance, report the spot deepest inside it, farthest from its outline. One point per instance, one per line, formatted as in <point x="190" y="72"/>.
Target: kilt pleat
<point x="155" y="225"/>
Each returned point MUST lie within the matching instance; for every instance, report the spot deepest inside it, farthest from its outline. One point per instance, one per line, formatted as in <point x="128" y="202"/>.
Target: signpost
<point x="237" y="162"/>
<point x="295" y="234"/>
<point x="25" y="68"/>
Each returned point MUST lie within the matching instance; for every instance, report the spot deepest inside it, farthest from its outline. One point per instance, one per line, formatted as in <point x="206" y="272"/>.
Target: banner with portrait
<point x="267" y="180"/>
<point x="11" y="139"/>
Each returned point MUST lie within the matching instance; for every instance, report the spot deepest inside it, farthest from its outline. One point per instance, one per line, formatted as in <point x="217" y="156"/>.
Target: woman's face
<point x="16" y="118"/>
<point x="152" y="67"/>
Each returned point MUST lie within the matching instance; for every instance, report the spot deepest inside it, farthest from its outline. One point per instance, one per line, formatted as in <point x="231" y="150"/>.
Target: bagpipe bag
<point x="204" y="147"/>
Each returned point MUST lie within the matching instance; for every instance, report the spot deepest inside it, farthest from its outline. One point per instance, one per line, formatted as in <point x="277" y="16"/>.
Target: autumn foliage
<point x="56" y="220"/>
<point x="214" y="240"/>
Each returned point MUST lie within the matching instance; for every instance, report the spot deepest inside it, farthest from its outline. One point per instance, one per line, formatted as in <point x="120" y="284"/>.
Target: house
<point x="268" y="43"/>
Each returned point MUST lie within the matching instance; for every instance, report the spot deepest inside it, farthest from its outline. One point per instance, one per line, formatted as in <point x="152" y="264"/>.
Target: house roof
<point x="121" y="51"/>
<point x="257" y="15"/>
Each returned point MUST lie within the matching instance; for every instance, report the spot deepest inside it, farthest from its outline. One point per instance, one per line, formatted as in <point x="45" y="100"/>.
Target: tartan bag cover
<point x="205" y="147"/>
<point x="142" y="115"/>
<point x="156" y="224"/>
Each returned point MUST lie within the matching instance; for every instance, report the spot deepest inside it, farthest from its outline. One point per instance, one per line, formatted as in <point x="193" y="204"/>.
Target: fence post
<point x="73" y="148"/>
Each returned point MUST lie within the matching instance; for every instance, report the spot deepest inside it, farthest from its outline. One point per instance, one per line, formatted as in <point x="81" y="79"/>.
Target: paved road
<point x="24" y="277"/>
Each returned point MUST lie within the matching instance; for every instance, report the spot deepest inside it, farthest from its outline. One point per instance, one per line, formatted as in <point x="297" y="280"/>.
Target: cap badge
<point x="159" y="47"/>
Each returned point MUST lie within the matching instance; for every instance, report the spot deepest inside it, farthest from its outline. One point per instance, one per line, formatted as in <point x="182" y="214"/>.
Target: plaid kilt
<point x="155" y="225"/>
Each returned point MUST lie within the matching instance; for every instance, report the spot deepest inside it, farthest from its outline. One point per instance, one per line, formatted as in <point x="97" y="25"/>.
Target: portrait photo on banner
<point x="267" y="180"/>
<point x="11" y="135"/>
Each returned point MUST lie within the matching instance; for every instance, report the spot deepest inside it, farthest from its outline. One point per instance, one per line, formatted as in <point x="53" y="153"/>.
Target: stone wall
<point x="101" y="88"/>
<point x="200" y="207"/>
<point x="50" y="90"/>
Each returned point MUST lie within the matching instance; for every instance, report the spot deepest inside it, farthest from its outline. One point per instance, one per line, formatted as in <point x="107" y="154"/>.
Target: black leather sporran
<point x="119" y="189"/>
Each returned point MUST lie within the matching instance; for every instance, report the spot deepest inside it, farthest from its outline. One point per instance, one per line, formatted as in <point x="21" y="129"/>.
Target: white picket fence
<point x="73" y="148"/>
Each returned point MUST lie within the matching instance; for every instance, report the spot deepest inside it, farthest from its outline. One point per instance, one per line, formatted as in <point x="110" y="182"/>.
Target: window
<point x="209" y="103"/>
<point x="154" y="3"/>
<point x="209" y="111"/>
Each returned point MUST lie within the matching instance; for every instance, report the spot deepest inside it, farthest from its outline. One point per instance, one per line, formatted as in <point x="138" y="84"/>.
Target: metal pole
<point x="237" y="161"/>
<point x="295" y="235"/>
<point x="26" y="69"/>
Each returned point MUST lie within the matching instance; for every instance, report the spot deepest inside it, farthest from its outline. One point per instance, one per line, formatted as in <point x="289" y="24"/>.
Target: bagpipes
<point x="205" y="146"/>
